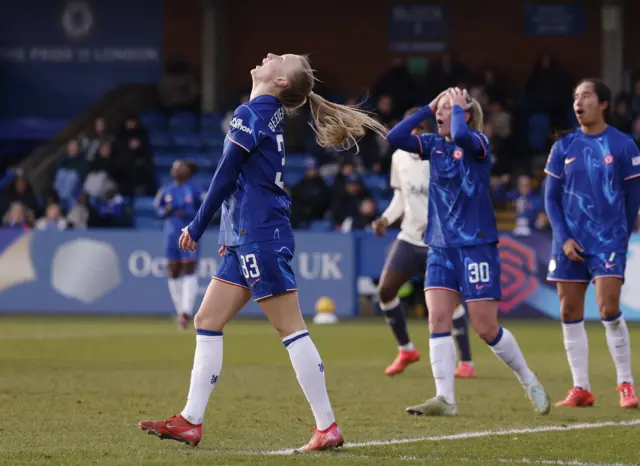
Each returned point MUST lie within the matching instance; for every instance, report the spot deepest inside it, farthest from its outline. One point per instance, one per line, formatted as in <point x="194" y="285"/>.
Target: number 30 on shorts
<point x="250" y="266"/>
<point x="479" y="272"/>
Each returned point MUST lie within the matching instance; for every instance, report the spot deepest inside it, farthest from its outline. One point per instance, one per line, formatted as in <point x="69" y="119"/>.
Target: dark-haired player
<point x="177" y="203"/>
<point x="592" y="198"/>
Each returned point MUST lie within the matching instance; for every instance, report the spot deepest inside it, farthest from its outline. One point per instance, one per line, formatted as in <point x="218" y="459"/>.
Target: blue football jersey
<point x="259" y="208"/>
<point x="460" y="208"/>
<point x="185" y="198"/>
<point x="593" y="169"/>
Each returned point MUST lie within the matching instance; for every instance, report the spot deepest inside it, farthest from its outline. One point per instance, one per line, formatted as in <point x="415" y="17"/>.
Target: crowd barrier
<point x="123" y="272"/>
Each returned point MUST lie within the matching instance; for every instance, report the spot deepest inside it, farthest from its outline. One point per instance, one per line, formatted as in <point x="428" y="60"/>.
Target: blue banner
<point x="57" y="57"/>
<point x="417" y="28"/>
<point x="124" y="272"/>
<point x="554" y="19"/>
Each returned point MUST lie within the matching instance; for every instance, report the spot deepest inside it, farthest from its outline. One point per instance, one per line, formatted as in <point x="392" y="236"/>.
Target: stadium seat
<point x="539" y="128"/>
<point x="183" y="121"/>
<point x="164" y="160"/>
<point x="321" y="226"/>
<point x="160" y="141"/>
<point x="187" y="141"/>
<point x="144" y="206"/>
<point x="148" y="223"/>
<point x="296" y="160"/>
<point x="292" y="177"/>
<point x="382" y="205"/>
<point x="212" y="142"/>
<point x="376" y="182"/>
<point x="211" y="123"/>
<point x="153" y="121"/>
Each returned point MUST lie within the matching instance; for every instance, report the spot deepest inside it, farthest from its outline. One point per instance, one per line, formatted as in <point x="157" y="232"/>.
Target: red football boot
<point x="403" y="359"/>
<point x="323" y="439"/>
<point x="174" y="428"/>
<point x="465" y="370"/>
<point x="577" y="397"/>
<point x="628" y="398"/>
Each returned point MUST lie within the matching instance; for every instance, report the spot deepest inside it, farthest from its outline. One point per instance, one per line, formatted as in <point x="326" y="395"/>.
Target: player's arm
<point x="470" y="141"/>
<point x="162" y="209"/>
<point x="396" y="207"/>
<point x="632" y="186"/>
<point x="400" y="136"/>
<point x="242" y="139"/>
<point x="553" y="194"/>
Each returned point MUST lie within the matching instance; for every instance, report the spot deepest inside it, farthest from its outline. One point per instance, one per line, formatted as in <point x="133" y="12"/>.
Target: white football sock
<point x="619" y="347"/>
<point x="310" y="373"/>
<point x="175" y="290"/>
<point x="207" y="364"/>
<point x="189" y="293"/>
<point x="506" y="348"/>
<point x="576" y="345"/>
<point x="442" y="352"/>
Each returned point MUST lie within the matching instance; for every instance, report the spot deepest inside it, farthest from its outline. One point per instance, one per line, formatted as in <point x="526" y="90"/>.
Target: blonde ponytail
<point x="340" y="126"/>
<point x="476" y="119"/>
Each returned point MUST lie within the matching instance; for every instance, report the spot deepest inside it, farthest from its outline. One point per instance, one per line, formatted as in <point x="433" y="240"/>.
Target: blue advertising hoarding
<point x="59" y="56"/>
<point x="124" y="272"/>
<point x="554" y="19"/>
<point x="418" y="28"/>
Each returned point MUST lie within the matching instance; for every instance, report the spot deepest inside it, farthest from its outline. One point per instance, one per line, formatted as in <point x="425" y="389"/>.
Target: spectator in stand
<point x="91" y="141"/>
<point x="492" y="86"/>
<point x="53" y="219"/>
<point x="362" y="219"/>
<point x="397" y="83"/>
<point x="19" y="191"/>
<point x="622" y="117"/>
<point x="547" y="88"/>
<point x="101" y="173"/>
<point x="18" y="216"/>
<point x="134" y="154"/>
<point x="347" y="203"/>
<point x="79" y="215"/>
<point x="71" y="172"/>
<point x="310" y="197"/>
<point x="529" y="204"/>
<point x="385" y="111"/>
<point x="446" y="72"/>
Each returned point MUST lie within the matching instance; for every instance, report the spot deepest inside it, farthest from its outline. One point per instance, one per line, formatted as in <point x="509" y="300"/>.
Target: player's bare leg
<point x="576" y="344"/>
<point x="395" y="316"/>
<point x="442" y="352"/>
<point x="284" y="313"/>
<point x="608" y="298"/>
<point x="484" y="320"/>
<point x="221" y="302"/>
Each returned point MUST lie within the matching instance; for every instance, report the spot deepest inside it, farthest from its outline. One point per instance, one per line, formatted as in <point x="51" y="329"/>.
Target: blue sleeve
<point x="242" y="128"/>
<point x="159" y="203"/>
<point x="555" y="162"/>
<point x="470" y="141"/>
<point x="222" y="186"/>
<point x="553" y="207"/>
<point x="400" y="136"/>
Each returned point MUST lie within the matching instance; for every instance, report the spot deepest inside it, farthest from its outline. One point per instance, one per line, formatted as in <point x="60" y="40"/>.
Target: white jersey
<point x="410" y="181"/>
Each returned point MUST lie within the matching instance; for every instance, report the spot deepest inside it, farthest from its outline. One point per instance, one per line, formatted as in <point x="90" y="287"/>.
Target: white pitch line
<point x="513" y="461"/>
<point x="467" y="435"/>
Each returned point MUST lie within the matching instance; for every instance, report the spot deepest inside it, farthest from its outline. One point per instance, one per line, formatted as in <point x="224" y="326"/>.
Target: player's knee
<point x="439" y="322"/>
<point x="571" y="309"/>
<point x="486" y="330"/>
<point x="609" y="306"/>
<point x="386" y="293"/>
<point x="205" y="321"/>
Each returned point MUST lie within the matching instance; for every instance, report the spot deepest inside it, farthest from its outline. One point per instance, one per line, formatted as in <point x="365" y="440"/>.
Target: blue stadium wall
<point x="123" y="272"/>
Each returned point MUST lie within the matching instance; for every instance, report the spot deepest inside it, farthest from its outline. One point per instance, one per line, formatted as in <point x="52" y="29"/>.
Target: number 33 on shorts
<point x="249" y="265"/>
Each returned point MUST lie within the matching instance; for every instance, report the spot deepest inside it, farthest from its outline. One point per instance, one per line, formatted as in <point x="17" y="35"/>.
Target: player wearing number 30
<point x="257" y="240"/>
<point x="462" y="237"/>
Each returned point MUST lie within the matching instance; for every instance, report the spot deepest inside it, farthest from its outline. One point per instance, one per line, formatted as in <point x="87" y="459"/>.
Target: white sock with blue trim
<point x="207" y="364"/>
<point x="505" y="346"/>
<point x="619" y="346"/>
<point x="175" y="291"/>
<point x="310" y="373"/>
<point x="442" y="352"/>
<point x="189" y="293"/>
<point x="576" y="345"/>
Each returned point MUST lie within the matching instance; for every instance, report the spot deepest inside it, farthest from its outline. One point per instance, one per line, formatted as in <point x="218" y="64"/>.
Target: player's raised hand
<point x="186" y="243"/>
<point x="434" y="103"/>
<point x="459" y="97"/>
<point x="573" y="251"/>
<point x="379" y="226"/>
